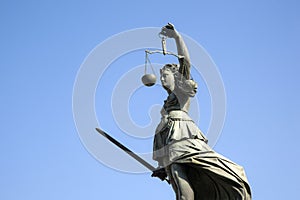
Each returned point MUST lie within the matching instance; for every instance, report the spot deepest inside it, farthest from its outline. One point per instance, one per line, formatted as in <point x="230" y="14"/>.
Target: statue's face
<point x="167" y="79"/>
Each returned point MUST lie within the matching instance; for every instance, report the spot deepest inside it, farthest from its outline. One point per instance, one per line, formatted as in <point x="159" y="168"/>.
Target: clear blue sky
<point x="255" y="45"/>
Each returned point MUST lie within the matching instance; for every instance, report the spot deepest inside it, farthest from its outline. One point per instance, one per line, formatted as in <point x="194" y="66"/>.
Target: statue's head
<point x="168" y="75"/>
<point x="171" y="78"/>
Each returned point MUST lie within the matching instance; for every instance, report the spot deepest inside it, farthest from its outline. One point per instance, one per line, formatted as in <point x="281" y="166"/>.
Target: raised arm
<point x="170" y="31"/>
<point x="182" y="51"/>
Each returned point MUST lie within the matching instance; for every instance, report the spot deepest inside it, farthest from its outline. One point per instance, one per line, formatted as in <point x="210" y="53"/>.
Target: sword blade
<point x="128" y="151"/>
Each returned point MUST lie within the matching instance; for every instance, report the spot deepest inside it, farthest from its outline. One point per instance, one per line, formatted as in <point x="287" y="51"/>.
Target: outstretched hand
<point x="169" y="31"/>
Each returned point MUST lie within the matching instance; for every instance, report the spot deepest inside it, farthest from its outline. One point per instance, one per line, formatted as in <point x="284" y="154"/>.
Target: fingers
<point x="169" y="31"/>
<point x="170" y="26"/>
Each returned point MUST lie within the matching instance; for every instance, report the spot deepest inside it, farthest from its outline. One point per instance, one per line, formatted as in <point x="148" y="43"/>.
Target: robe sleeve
<point x="184" y="68"/>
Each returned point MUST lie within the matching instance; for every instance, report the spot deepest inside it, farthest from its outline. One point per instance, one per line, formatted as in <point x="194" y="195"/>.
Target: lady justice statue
<point x="194" y="170"/>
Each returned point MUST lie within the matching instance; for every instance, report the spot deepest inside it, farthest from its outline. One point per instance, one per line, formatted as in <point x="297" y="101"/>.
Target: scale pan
<point x="149" y="79"/>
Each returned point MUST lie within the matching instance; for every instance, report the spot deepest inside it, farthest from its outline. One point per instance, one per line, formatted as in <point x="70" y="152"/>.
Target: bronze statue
<point x="195" y="171"/>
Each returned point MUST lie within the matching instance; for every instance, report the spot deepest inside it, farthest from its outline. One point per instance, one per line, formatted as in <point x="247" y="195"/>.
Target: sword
<point x="121" y="146"/>
<point x="128" y="151"/>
